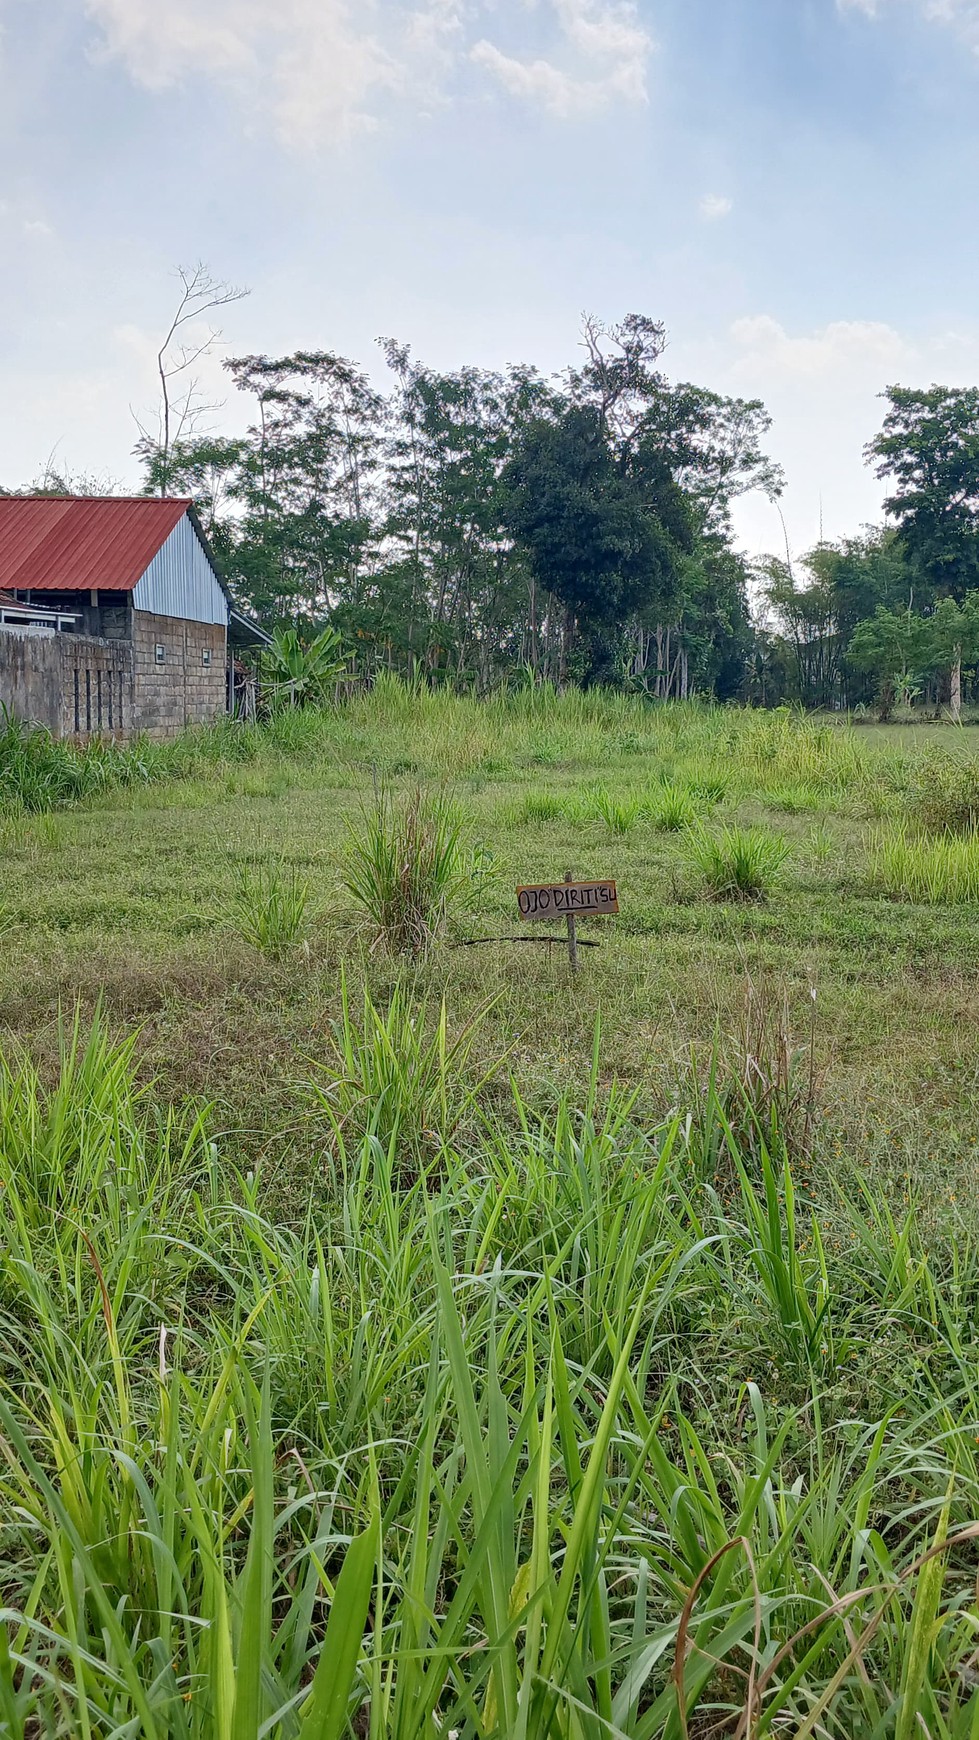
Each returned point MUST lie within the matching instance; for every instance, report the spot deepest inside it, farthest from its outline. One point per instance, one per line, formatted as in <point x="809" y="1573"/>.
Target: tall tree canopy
<point x="929" y="449"/>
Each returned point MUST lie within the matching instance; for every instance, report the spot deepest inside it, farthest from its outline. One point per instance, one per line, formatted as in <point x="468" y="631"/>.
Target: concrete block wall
<point x="96" y="687"/>
<point x="189" y="684"/>
<point x="75" y="685"/>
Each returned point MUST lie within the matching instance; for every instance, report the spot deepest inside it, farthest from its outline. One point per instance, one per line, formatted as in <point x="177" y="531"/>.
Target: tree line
<point x="479" y="525"/>
<point x="485" y="526"/>
<point x="890" y="616"/>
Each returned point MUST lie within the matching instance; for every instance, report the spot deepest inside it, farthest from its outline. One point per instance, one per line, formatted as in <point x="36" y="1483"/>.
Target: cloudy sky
<point x="790" y="184"/>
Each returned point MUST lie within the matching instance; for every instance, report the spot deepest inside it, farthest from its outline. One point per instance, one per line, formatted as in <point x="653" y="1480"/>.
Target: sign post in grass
<point x="569" y="900"/>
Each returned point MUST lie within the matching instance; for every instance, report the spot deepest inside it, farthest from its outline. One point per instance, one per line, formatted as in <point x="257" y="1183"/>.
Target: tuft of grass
<point x="399" y="1080"/>
<point x="942" y="792"/>
<point x="406" y="864"/>
<point x="270" y="909"/>
<point x="711" y="789"/>
<point x="934" y="871"/>
<point x="672" y="808"/>
<point x="539" y="806"/>
<point x="797" y="799"/>
<point x="738" y="863"/>
<point x="620" y="815"/>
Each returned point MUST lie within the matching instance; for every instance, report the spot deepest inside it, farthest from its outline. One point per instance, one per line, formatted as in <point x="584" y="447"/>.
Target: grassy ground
<point x="599" y="1362"/>
<point x="131" y="899"/>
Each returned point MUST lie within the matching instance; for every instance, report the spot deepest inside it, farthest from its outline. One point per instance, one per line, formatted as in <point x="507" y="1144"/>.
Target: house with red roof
<point x="114" y="617"/>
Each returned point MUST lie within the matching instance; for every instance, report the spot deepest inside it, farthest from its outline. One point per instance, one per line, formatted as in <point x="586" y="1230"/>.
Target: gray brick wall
<point x="182" y="688"/>
<point x="81" y="686"/>
<point x="74" y="684"/>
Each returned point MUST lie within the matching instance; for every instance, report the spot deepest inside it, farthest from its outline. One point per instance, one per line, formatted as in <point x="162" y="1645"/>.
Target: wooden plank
<point x="568" y="900"/>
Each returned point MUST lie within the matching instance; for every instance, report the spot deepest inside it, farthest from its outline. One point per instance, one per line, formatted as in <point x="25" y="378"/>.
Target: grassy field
<point x="444" y="1345"/>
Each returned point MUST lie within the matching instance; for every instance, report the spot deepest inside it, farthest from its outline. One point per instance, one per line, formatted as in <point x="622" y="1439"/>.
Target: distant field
<point x="604" y="1334"/>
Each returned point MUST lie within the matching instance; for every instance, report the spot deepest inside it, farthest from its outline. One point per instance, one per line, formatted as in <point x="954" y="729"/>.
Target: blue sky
<point x="790" y="184"/>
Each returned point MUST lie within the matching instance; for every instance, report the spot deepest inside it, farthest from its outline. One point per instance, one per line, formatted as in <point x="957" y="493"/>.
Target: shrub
<point x="738" y="863"/>
<point x="405" y="866"/>
<point x="270" y="907"/>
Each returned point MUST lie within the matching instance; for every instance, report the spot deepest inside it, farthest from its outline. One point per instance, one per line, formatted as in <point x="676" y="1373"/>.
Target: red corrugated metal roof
<point x="72" y="543"/>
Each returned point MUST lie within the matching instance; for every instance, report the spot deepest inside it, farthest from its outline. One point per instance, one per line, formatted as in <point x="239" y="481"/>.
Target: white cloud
<point x="823" y="389"/>
<point x="714" y="206"/>
<point x="961" y="15"/>
<point x="30" y="224"/>
<point x="317" y="67"/>
<point x="321" y="68"/>
<point x="603" y="51"/>
<point x="862" y="345"/>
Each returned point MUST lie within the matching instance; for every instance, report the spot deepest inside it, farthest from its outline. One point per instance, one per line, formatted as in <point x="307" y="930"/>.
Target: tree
<point x="185" y="344"/>
<point x="449" y="439"/>
<point x="807" y="615"/>
<point x="715" y="448"/>
<point x="929" y="446"/>
<point x="603" y="533"/>
<point x="895" y="646"/>
<point x="304" y="485"/>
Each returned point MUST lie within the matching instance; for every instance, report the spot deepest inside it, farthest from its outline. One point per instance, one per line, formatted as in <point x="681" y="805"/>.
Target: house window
<point x="161" y="654"/>
<point x="206" y="656"/>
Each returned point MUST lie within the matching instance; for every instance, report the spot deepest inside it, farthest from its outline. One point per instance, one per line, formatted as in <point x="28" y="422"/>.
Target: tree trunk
<point x="566" y="640"/>
<point x="956" y="687"/>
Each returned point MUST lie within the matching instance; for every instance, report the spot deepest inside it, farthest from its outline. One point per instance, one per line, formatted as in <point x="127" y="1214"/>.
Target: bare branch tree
<point x="182" y="405"/>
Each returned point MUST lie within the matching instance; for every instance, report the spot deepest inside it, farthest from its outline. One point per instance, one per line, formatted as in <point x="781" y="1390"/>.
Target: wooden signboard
<point x="568" y="900"/>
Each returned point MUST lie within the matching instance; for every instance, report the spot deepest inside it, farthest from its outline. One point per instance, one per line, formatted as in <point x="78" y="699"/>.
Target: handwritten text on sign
<point x="569" y="900"/>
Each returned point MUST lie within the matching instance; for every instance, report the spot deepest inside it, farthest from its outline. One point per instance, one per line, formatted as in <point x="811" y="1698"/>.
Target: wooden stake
<point x="572" y="932"/>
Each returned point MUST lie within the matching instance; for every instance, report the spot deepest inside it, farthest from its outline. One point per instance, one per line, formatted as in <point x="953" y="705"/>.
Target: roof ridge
<point x="49" y="495"/>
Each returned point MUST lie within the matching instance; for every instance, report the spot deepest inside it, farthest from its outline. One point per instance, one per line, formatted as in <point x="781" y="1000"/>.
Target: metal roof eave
<point x="252" y="629"/>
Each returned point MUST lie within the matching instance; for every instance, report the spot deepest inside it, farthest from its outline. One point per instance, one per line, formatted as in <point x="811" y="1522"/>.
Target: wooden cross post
<point x="572" y="932"/>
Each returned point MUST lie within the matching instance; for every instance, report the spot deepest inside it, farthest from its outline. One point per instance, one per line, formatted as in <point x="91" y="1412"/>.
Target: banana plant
<point x="298" y="675"/>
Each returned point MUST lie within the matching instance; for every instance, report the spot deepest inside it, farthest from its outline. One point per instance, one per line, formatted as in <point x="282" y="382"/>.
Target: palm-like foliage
<point x="302" y="675"/>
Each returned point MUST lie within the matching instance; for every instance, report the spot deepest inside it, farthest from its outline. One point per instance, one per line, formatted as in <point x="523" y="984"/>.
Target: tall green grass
<point x="932" y="869"/>
<point x="270" y="908"/>
<point x="549" y="1435"/>
<point x="406" y="864"/>
<point x="39" y="772"/>
<point x="737" y="863"/>
<point x="705" y="749"/>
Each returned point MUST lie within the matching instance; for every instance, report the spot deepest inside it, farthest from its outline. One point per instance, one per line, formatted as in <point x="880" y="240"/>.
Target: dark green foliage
<point x="604" y="533"/>
<point x="929" y="448"/>
<point x="472" y="524"/>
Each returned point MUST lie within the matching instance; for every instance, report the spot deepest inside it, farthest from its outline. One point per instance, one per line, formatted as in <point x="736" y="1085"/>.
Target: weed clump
<point x="406" y="864"/>
<point x="933" y="871"/>
<point x="539" y="806"/>
<point x="943" y="793"/>
<point x="620" y="815"/>
<point x="738" y="863"/>
<point x="270" y="907"/>
<point x="400" y="1080"/>
<point x="673" y="809"/>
